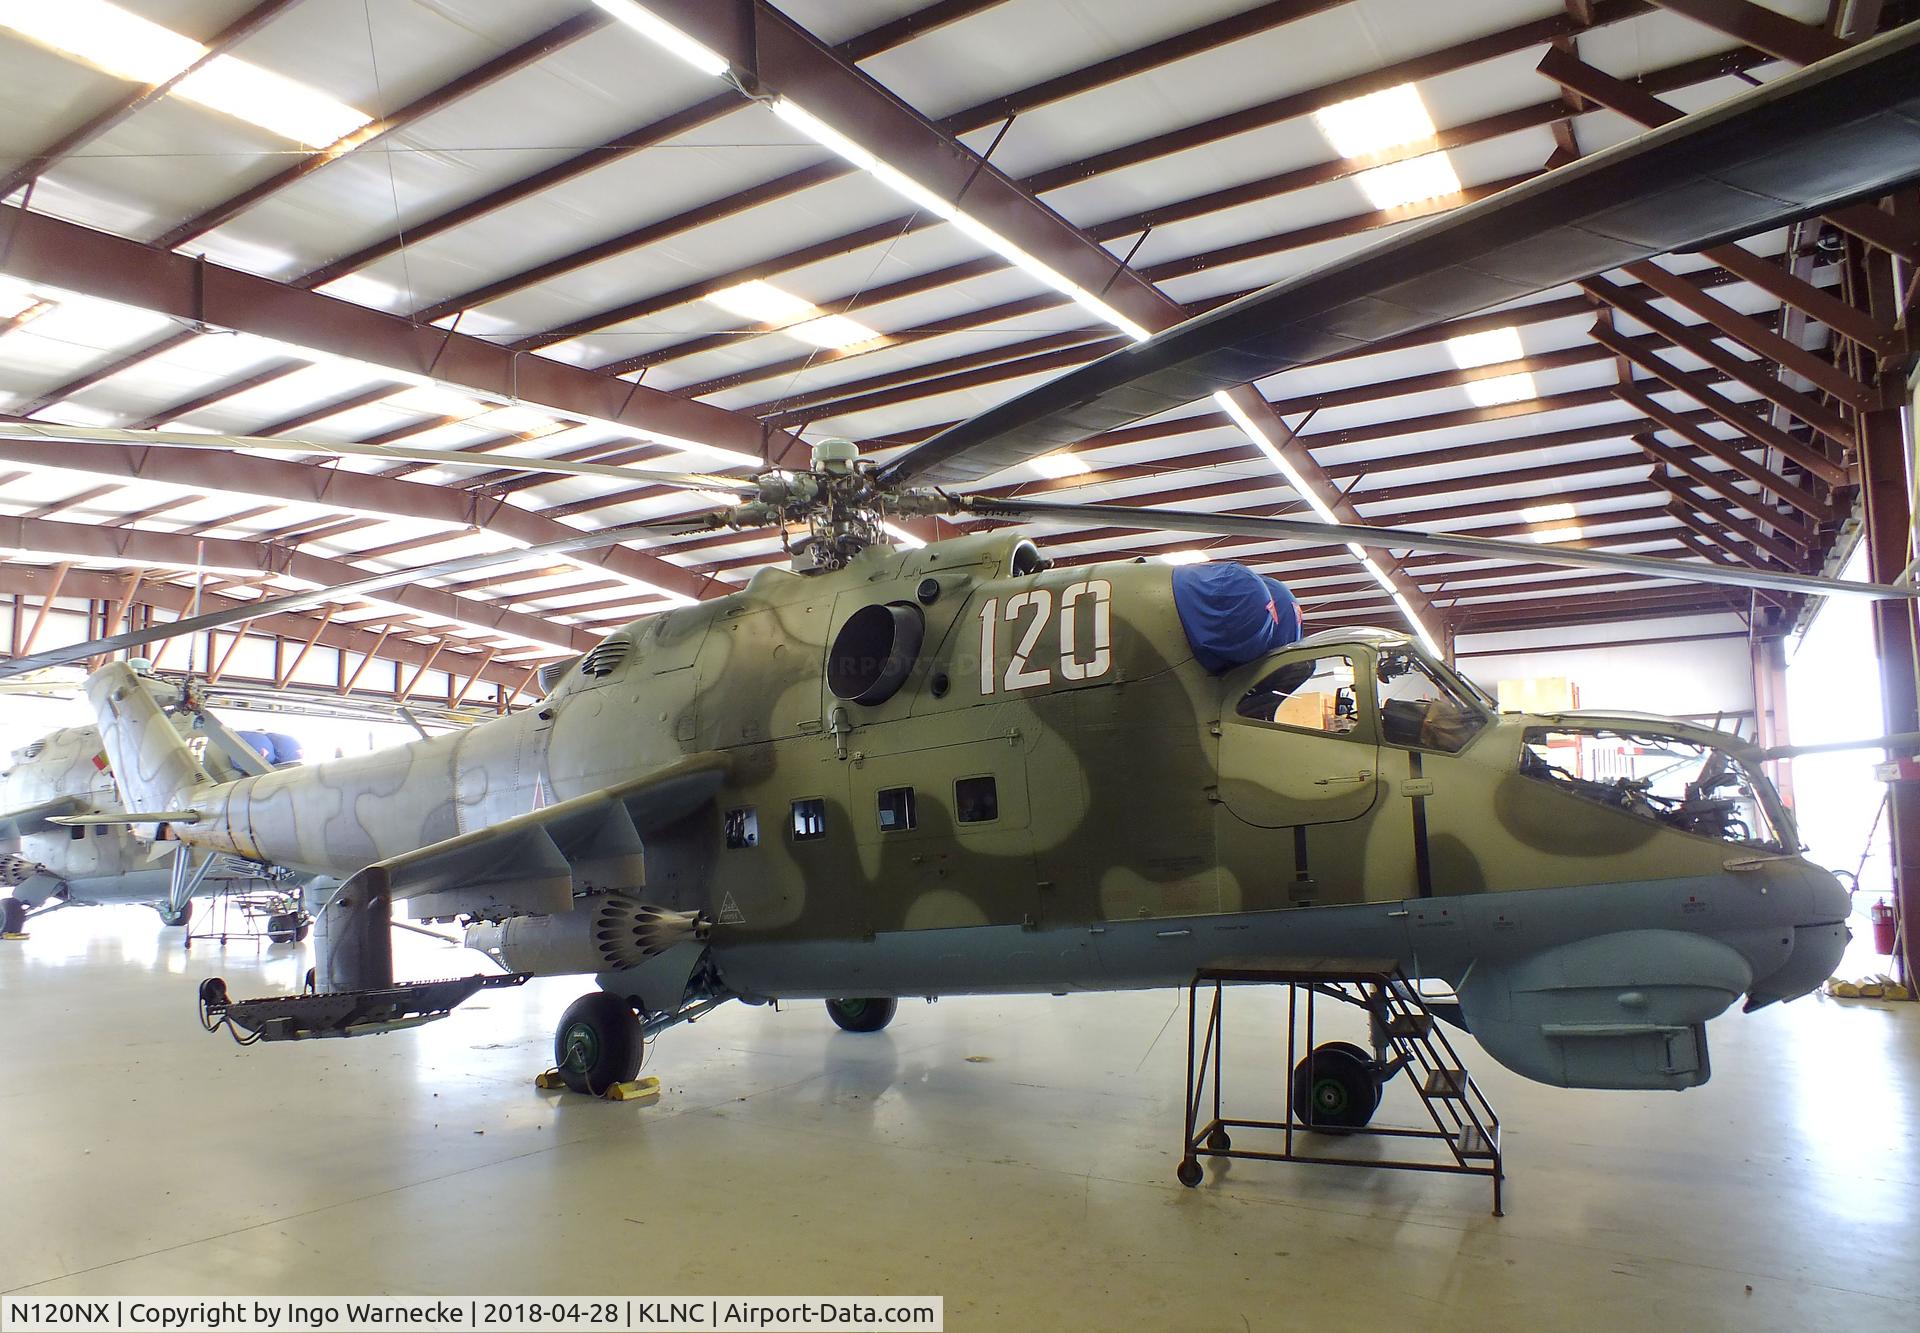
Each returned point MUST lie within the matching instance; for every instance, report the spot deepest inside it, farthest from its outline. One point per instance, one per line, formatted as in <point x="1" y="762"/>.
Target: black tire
<point x="1188" y="1173"/>
<point x="171" y="918"/>
<point x="283" y="927"/>
<point x="1334" y="1089"/>
<point x="1219" y="1141"/>
<point x="862" y="1014"/>
<point x="597" y="1043"/>
<point x="13" y="915"/>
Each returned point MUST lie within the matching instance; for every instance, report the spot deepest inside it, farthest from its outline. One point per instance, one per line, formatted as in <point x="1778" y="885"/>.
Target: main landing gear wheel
<point x="862" y="1015"/>
<point x="1334" y="1088"/>
<point x="169" y="917"/>
<point x="598" y="1043"/>
<point x="287" y="928"/>
<point x="13" y="915"/>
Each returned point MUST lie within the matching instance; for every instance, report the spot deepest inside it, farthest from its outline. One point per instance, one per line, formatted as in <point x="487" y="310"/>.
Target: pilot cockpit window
<point x="1420" y="710"/>
<point x="1314" y="694"/>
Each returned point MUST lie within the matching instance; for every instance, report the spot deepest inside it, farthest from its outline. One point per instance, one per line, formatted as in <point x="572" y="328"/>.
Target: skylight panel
<point x="1414" y="181"/>
<point x="130" y="47"/>
<point x="1490" y="348"/>
<point x="832" y="331"/>
<point x="1561" y="515"/>
<point x="1362" y="126"/>
<point x="272" y="101"/>
<point x="104" y="36"/>
<point x="1063" y="463"/>
<point x="762" y="302"/>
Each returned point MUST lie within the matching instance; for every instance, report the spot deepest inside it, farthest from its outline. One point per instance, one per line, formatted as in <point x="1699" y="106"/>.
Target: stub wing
<point x="41" y="818"/>
<point x="536" y="862"/>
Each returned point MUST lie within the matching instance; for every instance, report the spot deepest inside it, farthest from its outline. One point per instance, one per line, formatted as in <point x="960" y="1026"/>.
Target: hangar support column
<point x="1886" y="489"/>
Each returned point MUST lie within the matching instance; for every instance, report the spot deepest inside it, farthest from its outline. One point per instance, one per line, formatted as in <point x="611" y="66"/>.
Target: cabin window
<point x="743" y="827"/>
<point x="809" y="819"/>
<point x="1418" y="710"/>
<point x="99" y="830"/>
<point x="76" y="832"/>
<point x="976" y="800"/>
<point x="896" y="810"/>
<point x="1312" y="694"/>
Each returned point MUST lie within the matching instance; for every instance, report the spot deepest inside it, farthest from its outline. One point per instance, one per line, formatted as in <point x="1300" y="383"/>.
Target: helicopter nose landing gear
<point x="597" y="1044"/>
<point x="170" y="917"/>
<point x="862" y="1015"/>
<point x="1336" y="1088"/>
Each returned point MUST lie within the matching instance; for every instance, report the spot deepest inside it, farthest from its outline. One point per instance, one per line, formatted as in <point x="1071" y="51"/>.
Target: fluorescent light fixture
<point x="1501" y="389"/>
<point x="1061" y="463"/>
<point x="924" y="198"/>
<point x="1361" y="126"/>
<point x="1188" y="557"/>
<point x="834" y="331"/>
<point x="1553" y="513"/>
<point x="902" y="536"/>
<point x="130" y="47"/>
<point x="1324" y="512"/>
<point x="663" y="34"/>
<point x="1411" y="182"/>
<point x="1282" y="464"/>
<point x="762" y="302"/>
<point x="1572" y="533"/>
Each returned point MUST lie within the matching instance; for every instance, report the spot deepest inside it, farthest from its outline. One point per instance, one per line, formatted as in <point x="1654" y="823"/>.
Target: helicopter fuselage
<point x="1049" y="793"/>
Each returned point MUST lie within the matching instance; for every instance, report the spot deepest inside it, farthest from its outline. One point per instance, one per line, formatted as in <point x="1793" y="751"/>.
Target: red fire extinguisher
<point x="1881" y="914"/>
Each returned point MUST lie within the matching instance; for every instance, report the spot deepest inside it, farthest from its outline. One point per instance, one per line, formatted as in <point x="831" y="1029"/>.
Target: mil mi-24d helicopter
<point x="949" y="770"/>
<point x="47" y="865"/>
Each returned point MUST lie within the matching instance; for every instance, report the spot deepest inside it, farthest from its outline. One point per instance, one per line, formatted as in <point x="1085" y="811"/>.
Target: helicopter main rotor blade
<point x="300" y="601"/>
<point x="34" y="432"/>
<point x="1411" y="539"/>
<point x="1845" y="128"/>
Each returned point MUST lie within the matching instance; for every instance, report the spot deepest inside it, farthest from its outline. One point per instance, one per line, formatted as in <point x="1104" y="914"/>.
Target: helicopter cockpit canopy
<point x="1685" y="783"/>
<point x="1420" y="702"/>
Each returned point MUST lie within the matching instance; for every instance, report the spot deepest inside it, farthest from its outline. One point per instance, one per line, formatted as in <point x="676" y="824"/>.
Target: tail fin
<point x="152" y="765"/>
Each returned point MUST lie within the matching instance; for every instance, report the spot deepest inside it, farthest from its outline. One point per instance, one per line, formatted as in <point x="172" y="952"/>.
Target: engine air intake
<point x="874" y="652"/>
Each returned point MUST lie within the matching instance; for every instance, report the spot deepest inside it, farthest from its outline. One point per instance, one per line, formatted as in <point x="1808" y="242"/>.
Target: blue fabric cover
<point x="276" y="747"/>
<point x="1232" y="615"/>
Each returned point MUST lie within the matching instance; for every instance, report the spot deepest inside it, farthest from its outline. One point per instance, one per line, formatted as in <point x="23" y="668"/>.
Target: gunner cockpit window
<point x="1688" y="785"/>
<point x="1420" y="710"/>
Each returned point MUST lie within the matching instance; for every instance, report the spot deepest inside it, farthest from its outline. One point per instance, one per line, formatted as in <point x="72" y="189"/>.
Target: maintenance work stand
<point x="1336" y="1088"/>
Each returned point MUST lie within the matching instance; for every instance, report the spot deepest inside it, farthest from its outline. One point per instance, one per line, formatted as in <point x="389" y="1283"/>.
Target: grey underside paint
<point x="1432" y="937"/>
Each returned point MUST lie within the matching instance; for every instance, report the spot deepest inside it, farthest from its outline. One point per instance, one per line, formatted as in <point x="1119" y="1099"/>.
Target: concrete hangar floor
<point x="1013" y="1155"/>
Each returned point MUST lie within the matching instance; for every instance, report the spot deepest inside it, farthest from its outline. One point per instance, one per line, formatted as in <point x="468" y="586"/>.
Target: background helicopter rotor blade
<point x="1410" y="539"/>
<point x="299" y="601"/>
<point x="34" y="432"/>
<point x="1844" y="128"/>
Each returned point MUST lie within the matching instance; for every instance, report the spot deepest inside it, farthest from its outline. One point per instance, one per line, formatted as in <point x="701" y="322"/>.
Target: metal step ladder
<point x="1335" y="1088"/>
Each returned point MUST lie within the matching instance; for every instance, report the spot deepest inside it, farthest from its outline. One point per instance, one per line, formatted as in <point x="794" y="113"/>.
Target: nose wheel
<point x="597" y="1044"/>
<point x="13" y="915"/>
<point x="1335" y="1088"/>
<point x="862" y="1015"/>
<point x="169" y="917"/>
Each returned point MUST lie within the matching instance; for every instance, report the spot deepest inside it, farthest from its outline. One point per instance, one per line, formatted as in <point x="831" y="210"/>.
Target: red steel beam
<point x="365" y="493"/>
<point x="64" y="254"/>
<point x="1772" y="32"/>
<point x="144" y="548"/>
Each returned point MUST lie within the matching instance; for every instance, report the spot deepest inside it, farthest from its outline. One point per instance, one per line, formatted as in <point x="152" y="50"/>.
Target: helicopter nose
<point x="1818" y="943"/>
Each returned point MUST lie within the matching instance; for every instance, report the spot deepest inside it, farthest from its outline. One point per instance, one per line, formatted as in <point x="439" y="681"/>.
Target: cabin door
<point x="1297" y="747"/>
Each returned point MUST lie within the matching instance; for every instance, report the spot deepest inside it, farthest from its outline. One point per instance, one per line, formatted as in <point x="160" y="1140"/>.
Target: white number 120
<point x="1020" y="675"/>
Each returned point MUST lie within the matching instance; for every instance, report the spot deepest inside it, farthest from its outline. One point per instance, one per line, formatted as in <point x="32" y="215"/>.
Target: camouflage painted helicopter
<point x="952" y="769"/>
<point x="46" y="865"/>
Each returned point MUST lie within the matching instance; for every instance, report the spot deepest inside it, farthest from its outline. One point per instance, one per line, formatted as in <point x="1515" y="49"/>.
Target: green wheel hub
<point x="1329" y="1096"/>
<point x="583" y="1047"/>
